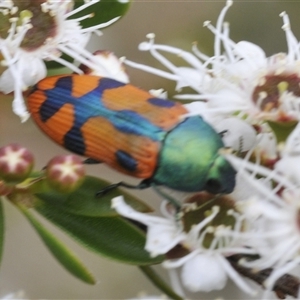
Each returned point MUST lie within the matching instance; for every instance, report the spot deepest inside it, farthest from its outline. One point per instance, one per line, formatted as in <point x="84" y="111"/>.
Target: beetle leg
<point x="222" y="133"/>
<point x="107" y="189"/>
<point x="142" y="185"/>
<point x="91" y="161"/>
<point x="173" y="201"/>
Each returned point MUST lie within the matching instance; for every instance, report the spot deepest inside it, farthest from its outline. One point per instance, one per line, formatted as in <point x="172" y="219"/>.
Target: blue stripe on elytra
<point x="88" y="106"/>
<point x="131" y="122"/>
<point x="161" y="102"/>
<point x="73" y="140"/>
<point x="126" y="160"/>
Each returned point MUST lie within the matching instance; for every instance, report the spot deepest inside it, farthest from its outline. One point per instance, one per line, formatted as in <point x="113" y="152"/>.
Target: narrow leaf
<point x="84" y="201"/>
<point x="113" y="237"/>
<point x="64" y="255"/>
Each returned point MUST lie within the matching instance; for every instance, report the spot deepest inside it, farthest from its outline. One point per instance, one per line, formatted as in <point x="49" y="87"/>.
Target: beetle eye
<point x="213" y="186"/>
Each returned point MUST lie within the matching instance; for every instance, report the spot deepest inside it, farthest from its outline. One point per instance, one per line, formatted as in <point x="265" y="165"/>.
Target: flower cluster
<point x="251" y="99"/>
<point x="254" y="101"/>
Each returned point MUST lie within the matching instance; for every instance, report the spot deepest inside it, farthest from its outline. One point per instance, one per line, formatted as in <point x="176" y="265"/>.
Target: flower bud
<point x="16" y="163"/>
<point x="65" y="173"/>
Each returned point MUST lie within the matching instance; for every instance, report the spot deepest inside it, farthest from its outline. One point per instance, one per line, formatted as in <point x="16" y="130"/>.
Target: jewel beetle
<point x="132" y="131"/>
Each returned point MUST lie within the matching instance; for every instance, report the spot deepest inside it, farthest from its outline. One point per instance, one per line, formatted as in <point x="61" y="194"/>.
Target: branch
<point x="285" y="285"/>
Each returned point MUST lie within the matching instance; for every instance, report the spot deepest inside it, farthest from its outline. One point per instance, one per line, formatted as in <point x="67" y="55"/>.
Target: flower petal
<point x="162" y="234"/>
<point x="238" y="134"/>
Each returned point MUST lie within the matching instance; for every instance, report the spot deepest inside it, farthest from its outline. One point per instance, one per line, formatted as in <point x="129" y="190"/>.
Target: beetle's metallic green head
<point x="221" y="177"/>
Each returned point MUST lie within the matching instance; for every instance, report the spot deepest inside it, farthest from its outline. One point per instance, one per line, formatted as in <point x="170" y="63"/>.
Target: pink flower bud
<point x="16" y="163"/>
<point x="65" y="173"/>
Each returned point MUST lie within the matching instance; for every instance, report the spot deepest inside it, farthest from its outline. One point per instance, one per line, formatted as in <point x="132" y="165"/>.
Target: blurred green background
<point x="26" y="263"/>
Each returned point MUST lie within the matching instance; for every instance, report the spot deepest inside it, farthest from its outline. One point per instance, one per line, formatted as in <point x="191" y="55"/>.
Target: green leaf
<point x="64" y="255"/>
<point x="83" y="201"/>
<point x="113" y="237"/>
<point x="103" y="11"/>
<point x="1" y="229"/>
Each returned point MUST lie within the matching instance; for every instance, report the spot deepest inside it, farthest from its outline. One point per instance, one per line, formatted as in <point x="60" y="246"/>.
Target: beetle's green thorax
<point x="189" y="159"/>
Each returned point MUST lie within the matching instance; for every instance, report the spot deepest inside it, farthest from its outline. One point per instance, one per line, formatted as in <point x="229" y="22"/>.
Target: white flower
<point x="242" y="79"/>
<point x="41" y="32"/>
<point x="163" y="234"/>
<point x="276" y="236"/>
<point x="194" y="274"/>
<point x="273" y="213"/>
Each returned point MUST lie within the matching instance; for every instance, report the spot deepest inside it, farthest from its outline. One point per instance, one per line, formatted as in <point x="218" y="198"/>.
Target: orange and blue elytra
<point x="132" y="131"/>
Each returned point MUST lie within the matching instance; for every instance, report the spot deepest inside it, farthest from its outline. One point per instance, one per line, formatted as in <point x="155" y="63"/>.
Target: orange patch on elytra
<point x="58" y="125"/>
<point x="125" y="97"/>
<point x="129" y="97"/>
<point x="35" y="100"/>
<point x="83" y="84"/>
<point x="102" y="140"/>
